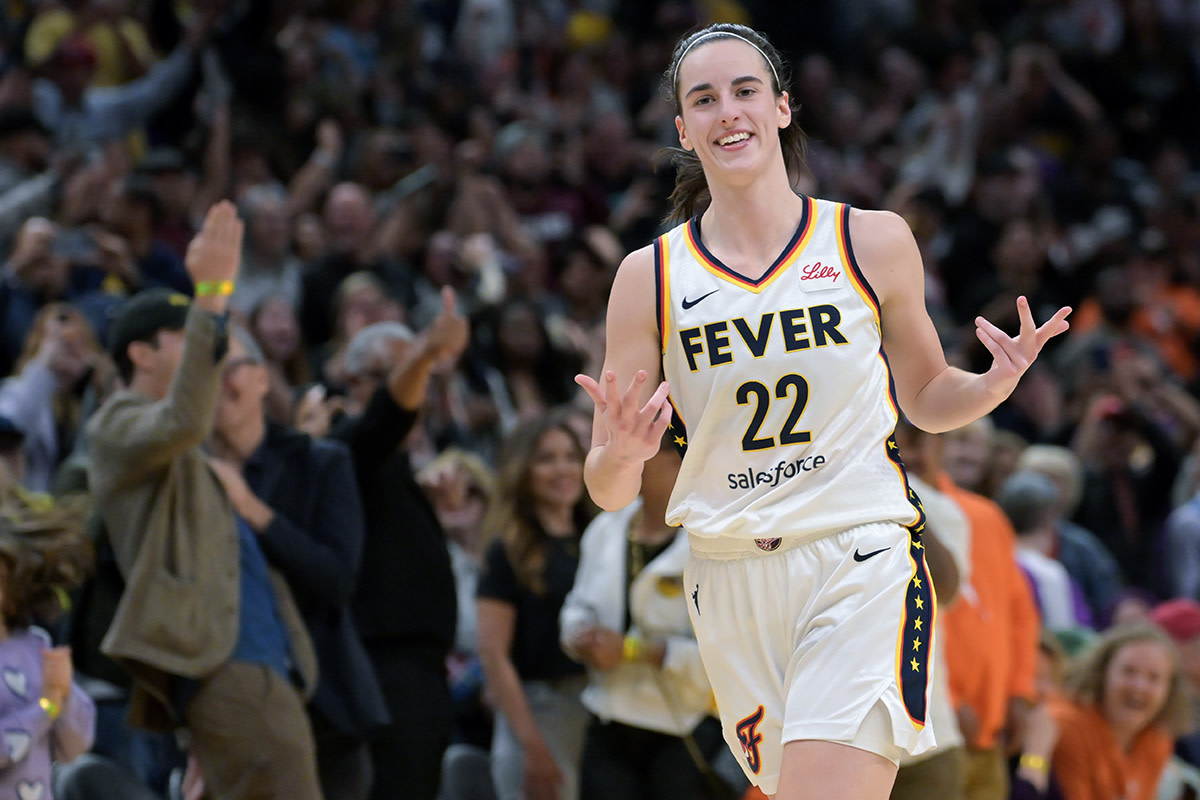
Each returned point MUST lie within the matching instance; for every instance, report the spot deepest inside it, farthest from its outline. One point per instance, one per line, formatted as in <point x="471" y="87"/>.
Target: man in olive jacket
<point x="211" y="635"/>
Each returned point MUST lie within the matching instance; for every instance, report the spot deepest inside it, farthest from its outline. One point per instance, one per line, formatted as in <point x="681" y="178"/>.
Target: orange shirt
<point x="991" y="632"/>
<point x="1089" y="764"/>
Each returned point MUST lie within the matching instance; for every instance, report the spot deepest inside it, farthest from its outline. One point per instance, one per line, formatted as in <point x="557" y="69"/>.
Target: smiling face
<point x="1136" y="684"/>
<point x="729" y="113"/>
<point x="556" y="471"/>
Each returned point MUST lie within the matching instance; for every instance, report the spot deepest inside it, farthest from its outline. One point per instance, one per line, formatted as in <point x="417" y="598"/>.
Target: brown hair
<point x="44" y="553"/>
<point x="1085" y="677"/>
<point x="691" y="185"/>
<point x="512" y="515"/>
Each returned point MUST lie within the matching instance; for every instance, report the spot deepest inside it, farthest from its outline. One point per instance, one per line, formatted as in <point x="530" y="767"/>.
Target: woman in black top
<point x="538" y="514"/>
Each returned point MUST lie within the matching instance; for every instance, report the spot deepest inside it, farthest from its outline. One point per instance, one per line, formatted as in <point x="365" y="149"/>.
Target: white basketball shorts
<point x="826" y="639"/>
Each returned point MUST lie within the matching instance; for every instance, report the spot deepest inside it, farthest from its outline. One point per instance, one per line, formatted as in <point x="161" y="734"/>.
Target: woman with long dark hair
<point x="538" y="513"/>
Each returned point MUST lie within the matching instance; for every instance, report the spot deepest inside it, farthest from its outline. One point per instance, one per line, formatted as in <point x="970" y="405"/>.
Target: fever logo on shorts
<point x="748" y="735"/>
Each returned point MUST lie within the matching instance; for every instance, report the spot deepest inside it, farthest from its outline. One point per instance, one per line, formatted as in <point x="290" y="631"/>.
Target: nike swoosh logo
<point x="689" y="303"/>
<point x="864" y="556"/>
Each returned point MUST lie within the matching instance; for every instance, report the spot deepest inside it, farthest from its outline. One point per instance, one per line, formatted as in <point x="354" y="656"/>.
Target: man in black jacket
<point x="300" y="497"/>
<point x="405" y="604"/>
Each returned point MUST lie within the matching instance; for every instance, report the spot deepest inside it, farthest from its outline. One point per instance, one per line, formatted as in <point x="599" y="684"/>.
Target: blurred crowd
<point x="436" y="195"/>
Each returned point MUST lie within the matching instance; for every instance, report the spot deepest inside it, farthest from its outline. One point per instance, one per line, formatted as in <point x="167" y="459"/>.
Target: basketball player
<point x="789" y="331"/>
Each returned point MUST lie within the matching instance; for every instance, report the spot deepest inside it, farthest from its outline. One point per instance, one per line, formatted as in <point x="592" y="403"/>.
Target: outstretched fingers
<point x="1053" y="326"/>
<point x="992" y="337"/>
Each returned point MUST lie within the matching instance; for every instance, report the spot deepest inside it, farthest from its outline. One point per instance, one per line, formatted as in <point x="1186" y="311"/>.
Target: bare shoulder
<point x="638" y="265"/>
<point x="632" y="326"/>
<point x="885" y="250"/>
<point x="633" y="287"/>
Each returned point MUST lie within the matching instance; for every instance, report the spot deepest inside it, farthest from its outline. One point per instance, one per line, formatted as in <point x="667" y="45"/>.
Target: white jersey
<point x="784" y="405"/>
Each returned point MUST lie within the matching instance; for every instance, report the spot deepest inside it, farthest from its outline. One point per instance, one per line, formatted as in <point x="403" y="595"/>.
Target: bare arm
<point x="497" y="621"/>
<point x="934" y="395"/>
<point x="625" y="430"/>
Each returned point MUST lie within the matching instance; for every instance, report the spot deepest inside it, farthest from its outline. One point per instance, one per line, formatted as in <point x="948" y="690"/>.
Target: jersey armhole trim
<point x="662" y="290"/>
<point x="846" y="250"/>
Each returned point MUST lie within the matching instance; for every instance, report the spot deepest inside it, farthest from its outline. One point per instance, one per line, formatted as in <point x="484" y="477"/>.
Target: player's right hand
<point x="634" y="433"/>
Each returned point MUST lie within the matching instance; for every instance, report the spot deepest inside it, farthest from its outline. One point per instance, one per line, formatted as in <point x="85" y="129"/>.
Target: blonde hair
<point x="1060" y="464"/>
<point x="1085" y="677"/>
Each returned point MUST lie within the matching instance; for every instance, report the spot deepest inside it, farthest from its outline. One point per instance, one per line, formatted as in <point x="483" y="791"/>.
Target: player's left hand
<point x="1012" y="356"/>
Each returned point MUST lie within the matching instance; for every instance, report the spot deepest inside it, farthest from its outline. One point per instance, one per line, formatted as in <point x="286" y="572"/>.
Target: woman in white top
<point x="626" y="618"/>
<point x="790" y="332"/>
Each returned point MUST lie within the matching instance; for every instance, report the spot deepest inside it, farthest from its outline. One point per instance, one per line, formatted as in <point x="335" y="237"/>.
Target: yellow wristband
<point x="632" y="649"/>
<point x="50" y="707"/>
<point x="214" y="288"/>
<point x="1035" y="762"/>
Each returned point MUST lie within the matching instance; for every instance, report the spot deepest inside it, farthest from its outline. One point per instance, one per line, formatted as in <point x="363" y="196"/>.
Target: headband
<point x="730" y="34"/>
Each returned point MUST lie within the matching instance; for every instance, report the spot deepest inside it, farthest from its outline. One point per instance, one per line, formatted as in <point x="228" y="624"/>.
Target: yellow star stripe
<point x="917" y="643"/>
<point x="916" y="667"/>
<point x="918" y="545"/>
<point x="917" y="623"/>
<point x="917" y="583"/>
<point x="680" y="441"/>
<point x="920" y="603"/>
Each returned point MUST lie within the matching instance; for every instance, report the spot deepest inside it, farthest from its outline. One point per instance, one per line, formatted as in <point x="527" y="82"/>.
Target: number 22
<point x="762" y="401"/>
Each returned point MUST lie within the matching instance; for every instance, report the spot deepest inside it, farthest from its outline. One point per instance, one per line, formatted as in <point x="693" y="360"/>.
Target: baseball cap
<point x="1180" y="618"/>
<point x="145" y="314"/>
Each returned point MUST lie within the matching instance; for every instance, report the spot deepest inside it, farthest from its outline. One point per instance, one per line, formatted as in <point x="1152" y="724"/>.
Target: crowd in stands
<point x="338" y="542"/>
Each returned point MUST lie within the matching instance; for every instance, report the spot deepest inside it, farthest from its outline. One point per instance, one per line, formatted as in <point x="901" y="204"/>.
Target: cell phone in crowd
<point x="76" y="245"/>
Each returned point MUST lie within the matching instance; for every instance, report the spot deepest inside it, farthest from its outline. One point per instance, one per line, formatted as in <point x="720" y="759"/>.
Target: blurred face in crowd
<point x="365" y="305"/>
<point x="276" y="328"/>
<point x="610" y="146"/>
<point x="520" y="334"/>
<point x="584" y="280"/>
<point x="267" y="233"/>
<point x="967" y="454"/>
<point x="441" y="258"/>
<point x="1136" y="684"/>
<point x="556" y="471"/>
<point x="42" y="270"/>
<point x="244" y="385"/>
<point x="527" y="164"/>
<point x="309" y="237"/>
<point x="176" y="189"/>
<point x="1018" y="254"/>
<point x="348" y="218"/>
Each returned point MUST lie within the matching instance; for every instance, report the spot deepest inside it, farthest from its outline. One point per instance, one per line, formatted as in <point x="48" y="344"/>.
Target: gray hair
<point x="1030" y="499"/>
<point x="248" y="343"/>
<point x="367" y="343"/>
